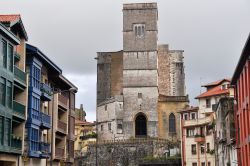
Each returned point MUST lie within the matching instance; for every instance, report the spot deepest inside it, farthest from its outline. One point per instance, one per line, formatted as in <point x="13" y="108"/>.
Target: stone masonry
<point x="130" y="81"/>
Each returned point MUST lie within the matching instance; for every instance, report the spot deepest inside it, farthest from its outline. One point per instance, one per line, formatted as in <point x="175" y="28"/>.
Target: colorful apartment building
<point x="85" y="133"/>
<point x="50" y="123"/>
<point x="13" y="89"/>
<point x="240" y="81"/>
<point x="198" y="124"/>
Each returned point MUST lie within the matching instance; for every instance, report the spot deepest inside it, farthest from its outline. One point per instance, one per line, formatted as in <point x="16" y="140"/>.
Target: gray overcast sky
<point x="211" y="32"/>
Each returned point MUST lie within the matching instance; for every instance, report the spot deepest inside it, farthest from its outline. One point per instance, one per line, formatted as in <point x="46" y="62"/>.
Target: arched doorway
<point x="140" y="125"/>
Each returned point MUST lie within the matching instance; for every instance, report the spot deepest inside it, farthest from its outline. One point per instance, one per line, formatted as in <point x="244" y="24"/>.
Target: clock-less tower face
<point x="140" y="77"/>
<point x="140" y="27"/>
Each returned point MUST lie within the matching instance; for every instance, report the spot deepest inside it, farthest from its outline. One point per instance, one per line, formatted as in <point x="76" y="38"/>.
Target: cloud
<point x="86" y="94"/>
<point x="212" y="33"/>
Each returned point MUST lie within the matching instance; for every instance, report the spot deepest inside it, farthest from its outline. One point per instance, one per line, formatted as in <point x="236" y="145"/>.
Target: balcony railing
<point x="16" y="143"/>
<point x="62" y="127"/>
<point x="20" y="75"/>
<point x="199" y="121"/>
<point x="59" y="153"/>
<point x="46" y="92"/>
<point x="199" y="138"/>
<point x="45" y="120"/>
<point x="63" y="101"/>
<point x="19" y="109"/>
<point x="44" y="148"/>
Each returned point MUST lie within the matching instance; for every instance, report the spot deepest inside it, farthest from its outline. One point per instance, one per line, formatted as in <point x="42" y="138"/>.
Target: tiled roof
<point x="213" y="92"/>
<point x="190" y="109"/>
<point x="216" y="82"/>
<point x="79" y="122"/>
<point x="14" y="19"/>
<point x="9" y="17"/>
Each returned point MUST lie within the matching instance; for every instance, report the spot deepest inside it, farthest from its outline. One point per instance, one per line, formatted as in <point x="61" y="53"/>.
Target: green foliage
<point x="92" y="135"/>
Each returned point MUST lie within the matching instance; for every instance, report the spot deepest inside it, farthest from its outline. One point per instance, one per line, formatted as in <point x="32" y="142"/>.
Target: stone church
<point x="141" y="88"/>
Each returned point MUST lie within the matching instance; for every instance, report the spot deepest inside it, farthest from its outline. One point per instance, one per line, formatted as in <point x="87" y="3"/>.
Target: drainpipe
<point x="52" y="130"/>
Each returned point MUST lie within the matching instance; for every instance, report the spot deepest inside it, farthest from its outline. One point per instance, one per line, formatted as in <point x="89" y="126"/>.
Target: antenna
<point x="200" y="84"/>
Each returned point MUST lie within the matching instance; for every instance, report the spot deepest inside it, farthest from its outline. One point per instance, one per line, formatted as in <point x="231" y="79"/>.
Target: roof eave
<point x="242" y="59"/>
<point x="44" y="57"/>
<point x="9" y="34"/>
<point x="68" y="82"/>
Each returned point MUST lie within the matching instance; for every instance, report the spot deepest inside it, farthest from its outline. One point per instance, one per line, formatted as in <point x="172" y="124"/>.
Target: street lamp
<point x="55" y="91"/>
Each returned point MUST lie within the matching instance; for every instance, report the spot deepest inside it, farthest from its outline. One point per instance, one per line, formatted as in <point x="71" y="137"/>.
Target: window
<point x="2" y="91"/>
<point x="34" y="146"/>
<point x="208" y="103"/>
<point x="4" y="53"/>
<point x="172" y="127"/>
<point x="139" y="95"/>
<point x="193" y="115"/>
<point x="119" y="128"/>
<point x="139" y="30"/>
<point x="202" y="148"/>
<point x="208" y="147"/>
<point x="101" y="127"/>
<point x="35" y="107"/>
<point x="190" y="132"/>
<point x="194" y="164"/>
<point x="203" y="164"/>
<point x="193" y="148"/>
<point x="36" y="75"/>
<point x="9" y="94"/>
<point x="10" y="58"/>
<point x="106" y="107"/>
<point x="1" y="130"/>
<point x="186" y="116"/>
<point x="7" y="129"/>
<point x="109" y="126"/>
<point x="209" y="164"/>
<point x="224" y="86"/>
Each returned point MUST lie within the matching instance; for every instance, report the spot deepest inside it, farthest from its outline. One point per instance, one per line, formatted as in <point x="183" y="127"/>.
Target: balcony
<point x="45" y="150"/>
<point x="45" y="121"/>
<point x="18" y="110"/>
<point x="59" y="153"/>
<point x="16" y="144"/>
<point x="199" y="138"/>
<point x="61" y="127"/>
<point x="63" y="101"/>
<point x="20" y="78"/>
<point x="198" y="122"/>
<point x="46" y="92"/>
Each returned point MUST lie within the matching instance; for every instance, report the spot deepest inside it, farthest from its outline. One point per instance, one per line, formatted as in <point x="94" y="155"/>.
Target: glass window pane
<point x="7" y="132"/>
<point x="10" y="58"/>
<point x="1" y="130"/>
<point x="4" y="44"/>
<point x="9" y="94"/>
<point x="2" y="91"/>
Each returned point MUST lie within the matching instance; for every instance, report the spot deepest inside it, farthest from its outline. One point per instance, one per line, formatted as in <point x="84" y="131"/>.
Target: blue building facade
<point x="39" y="94"/>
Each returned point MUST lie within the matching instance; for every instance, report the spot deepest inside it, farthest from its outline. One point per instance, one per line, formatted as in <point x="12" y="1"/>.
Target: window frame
<point x="172" y="123"/>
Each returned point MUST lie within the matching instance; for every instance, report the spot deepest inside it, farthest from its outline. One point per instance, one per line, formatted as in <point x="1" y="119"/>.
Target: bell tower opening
<point x="141" y="125"/>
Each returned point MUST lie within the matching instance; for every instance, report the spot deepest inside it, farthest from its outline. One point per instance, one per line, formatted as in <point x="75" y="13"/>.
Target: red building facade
<point x="241" y="83"/>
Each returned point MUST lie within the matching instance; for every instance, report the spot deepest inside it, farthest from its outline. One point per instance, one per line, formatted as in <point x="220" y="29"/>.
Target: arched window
<point x="172" y="126"/>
